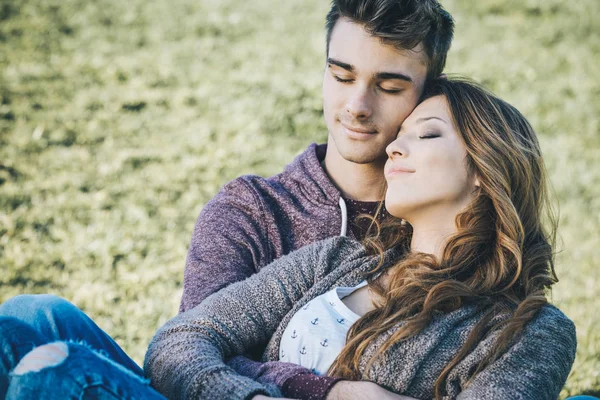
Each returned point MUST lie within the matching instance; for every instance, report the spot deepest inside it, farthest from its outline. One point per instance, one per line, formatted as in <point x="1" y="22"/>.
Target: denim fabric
<point x="16" y="340"/>
<point x="95" y="367"/>
<point x="84" y="374"/>
<point x="582" y="397"/>
<point x="58" y="320"/>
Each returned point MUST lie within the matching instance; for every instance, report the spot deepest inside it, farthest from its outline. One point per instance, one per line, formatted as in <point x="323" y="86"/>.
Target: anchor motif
<point x="305" y="307"/>
<point x="315" y="321"/>
<point x="294" y="336"/>
<point x="340" y="320"/>
<point x="282" y="354"/>
<point x="324" y="343"/>
<point x="303" y="351"/>
<point x="332" y="304"/>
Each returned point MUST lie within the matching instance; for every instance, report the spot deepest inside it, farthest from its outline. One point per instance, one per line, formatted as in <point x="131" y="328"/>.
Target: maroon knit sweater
<point x="253" y="221"/>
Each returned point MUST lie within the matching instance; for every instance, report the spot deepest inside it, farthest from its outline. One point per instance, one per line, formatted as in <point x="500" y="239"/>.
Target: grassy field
<point x="119" y="120"/>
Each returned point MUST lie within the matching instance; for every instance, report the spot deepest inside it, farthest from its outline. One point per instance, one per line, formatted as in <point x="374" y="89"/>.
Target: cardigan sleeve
<point x="185" y="359"/>
<point x="535" y="367"/>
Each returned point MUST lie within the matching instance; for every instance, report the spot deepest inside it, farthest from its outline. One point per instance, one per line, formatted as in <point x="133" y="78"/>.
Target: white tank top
<point x="317" y="332"/>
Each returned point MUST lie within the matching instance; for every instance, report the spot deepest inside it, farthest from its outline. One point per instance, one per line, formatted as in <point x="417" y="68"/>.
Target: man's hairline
<point x="424" y="58"/>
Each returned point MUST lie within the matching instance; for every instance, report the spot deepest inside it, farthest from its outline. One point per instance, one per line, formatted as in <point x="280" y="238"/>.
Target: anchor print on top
<point x="340" y="320"/>
<point x="315" y="321"/>
<point x="306" y="306"/>
<point x="332" y="304"/>
<point x="282" y="354"/>
<point x="294" y="335"/>
<point x="303" y="351"/>
<point x="324" y="343"/>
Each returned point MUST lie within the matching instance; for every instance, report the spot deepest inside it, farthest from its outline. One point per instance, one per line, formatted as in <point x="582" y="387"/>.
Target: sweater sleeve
<point x="228" y="245"/>
<point x="185" y="357"/>
<point x="295" y="382"/>
<point x="535" y="367"/>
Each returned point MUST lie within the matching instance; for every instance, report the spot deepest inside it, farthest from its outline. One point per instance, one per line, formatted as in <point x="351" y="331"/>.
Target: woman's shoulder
<point x="549" y="335"/>
<point x="550" y="313"/>
<point x="549" y="330"/>
<point x="550" y="322"/>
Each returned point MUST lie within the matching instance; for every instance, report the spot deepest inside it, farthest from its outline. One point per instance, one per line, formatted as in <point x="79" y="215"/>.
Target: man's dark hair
<point x="401" y="23"/>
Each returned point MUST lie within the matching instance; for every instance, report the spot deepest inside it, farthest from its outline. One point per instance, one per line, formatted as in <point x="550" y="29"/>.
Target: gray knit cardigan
<point x="185" y="359"/>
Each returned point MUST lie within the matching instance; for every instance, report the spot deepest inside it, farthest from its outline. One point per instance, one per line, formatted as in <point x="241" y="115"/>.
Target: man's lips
<point x="356" y="129"/>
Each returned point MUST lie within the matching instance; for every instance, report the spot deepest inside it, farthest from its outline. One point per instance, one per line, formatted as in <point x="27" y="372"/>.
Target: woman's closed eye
<point x="430" y="135"/>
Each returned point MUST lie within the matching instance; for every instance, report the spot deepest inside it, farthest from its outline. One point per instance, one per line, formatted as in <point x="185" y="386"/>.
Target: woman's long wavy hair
<point x="501" y="257"/>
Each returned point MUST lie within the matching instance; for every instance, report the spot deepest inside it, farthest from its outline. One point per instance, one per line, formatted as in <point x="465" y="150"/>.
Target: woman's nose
<point x="397" y="148"/>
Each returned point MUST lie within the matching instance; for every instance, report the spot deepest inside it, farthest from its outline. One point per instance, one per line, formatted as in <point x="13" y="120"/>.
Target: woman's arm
<point x="535" y="367"/>
<point x="185" y="357"/>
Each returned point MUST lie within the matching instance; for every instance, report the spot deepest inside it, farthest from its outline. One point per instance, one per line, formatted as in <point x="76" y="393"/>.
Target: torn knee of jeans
<point x="46" y="356"/>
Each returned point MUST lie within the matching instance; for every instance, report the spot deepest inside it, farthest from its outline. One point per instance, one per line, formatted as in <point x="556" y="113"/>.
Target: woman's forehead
<point x="432" y="108"/>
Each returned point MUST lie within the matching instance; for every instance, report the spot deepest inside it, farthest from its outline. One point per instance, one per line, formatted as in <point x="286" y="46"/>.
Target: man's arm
<point x="186" y="356"/>
<point x="229" y="243"/>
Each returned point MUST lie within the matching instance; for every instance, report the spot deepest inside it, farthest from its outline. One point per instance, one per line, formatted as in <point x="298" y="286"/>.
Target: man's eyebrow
<point x="379" y="75"/>
<point x="393" y="75"/>
<point x="420" y="120"/>
<point x="346" y="66"/>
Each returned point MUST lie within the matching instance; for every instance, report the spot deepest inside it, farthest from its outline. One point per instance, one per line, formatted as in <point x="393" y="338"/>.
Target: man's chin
<point x="359" y="157"/>
<point x="359" y="152"/>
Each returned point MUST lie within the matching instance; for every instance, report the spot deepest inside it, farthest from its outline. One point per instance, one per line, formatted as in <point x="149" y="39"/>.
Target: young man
<point x="379" y="56"/>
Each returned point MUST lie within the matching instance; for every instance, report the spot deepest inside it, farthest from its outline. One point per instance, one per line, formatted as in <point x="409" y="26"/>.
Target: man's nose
<point x="359" y="104"/>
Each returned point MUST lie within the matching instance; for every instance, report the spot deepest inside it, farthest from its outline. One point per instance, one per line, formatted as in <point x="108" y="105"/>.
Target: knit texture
<point x="185" y="353"/>
<point x="253" y="221"/>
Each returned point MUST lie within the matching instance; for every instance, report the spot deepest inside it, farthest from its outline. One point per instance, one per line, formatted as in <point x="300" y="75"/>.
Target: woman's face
<point x="426" y="172"/>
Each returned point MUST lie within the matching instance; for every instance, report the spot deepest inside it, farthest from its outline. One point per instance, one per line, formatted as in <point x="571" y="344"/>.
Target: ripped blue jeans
<point x="48" y="351"/>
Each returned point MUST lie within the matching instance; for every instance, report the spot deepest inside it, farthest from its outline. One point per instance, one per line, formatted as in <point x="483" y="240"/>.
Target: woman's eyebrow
<point x="423" y="119"/>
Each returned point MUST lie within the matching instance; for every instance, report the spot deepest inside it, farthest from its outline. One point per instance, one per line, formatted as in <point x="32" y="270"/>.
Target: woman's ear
<point x="476" y="181"/>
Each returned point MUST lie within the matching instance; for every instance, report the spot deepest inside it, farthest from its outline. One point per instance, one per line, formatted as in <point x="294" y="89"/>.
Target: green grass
<point x="119" y="120"/>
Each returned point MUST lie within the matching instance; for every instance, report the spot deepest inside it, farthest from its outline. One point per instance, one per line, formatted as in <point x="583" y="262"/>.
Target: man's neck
<point x="362" y="182"/>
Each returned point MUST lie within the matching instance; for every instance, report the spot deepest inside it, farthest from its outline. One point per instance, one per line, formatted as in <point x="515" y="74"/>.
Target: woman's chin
<point x="398" y="213"/>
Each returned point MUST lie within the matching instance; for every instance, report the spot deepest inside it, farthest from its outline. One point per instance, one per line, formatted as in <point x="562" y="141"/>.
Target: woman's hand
<point x="351" y="390"/>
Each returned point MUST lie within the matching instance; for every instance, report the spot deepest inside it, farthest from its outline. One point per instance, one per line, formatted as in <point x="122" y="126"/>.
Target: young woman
<point x="446" y="300"/>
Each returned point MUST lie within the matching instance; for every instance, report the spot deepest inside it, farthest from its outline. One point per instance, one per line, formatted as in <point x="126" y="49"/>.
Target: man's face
<point x="369" y="89"/>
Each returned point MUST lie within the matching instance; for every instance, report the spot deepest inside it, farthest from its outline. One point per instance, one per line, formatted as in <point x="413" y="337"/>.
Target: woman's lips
<point x="399" y="171"/>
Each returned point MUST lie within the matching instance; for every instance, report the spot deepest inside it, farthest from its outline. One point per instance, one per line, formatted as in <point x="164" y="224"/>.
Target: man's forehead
<point x="352" y="44"/>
